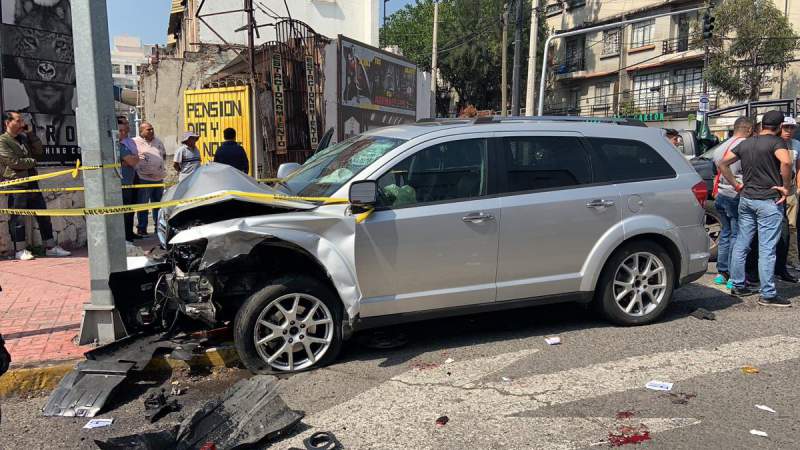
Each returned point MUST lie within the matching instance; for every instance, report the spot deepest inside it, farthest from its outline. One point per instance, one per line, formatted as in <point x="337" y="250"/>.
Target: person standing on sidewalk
<point x="16" y="161"/>
<point x="766" y="177"/>
<point x="788" y="130"/>
<point x="727" y="200"/>
<point x="150" y="170"/>
<point x="187" y="157"/>
<point x="129" y="159"/>
<point x="231" y="153"/>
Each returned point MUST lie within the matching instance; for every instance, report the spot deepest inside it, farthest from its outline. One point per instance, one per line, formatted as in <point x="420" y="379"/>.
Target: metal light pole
<point x="515" y="88"/>
<point x="504" y="68"/>
<point x="95" y="115"/>
<point x="434" y="56"/>
<point x="534" y="42"/>
<point x="589" y="30"/>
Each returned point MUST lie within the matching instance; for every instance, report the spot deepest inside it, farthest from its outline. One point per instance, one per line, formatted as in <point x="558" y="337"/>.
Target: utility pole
<point x="534" y="42"/>
<point x="515" y="88"/>
<point x="251" y="51"/>
<point x="434" y="57"/>
<point x="96" y="120"/>
<point x="504" y="64"/>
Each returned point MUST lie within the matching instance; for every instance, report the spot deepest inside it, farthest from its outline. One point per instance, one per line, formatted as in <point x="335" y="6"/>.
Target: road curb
<point x="28" y="381"/>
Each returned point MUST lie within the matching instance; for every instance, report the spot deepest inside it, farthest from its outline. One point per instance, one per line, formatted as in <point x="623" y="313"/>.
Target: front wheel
<point x="292" y="325"/>
<point x="636" y="285"/>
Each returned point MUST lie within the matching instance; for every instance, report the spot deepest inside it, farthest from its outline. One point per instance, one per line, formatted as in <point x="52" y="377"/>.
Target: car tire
<point x="713" y="227"/>
<point x="277" y="315"/>
<point x="653" y="279"/>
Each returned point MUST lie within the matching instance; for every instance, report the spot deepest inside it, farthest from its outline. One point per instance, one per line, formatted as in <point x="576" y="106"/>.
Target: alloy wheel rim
<point x="640" y="284"/>
<point x="293" y="332"/>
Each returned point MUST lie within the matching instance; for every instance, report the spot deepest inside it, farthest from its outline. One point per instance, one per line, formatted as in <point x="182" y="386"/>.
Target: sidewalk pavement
<point x="41" y="306"/>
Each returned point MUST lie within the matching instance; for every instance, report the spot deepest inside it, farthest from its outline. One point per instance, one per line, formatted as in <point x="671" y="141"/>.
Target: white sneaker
<point x="57" y="251"/>
<point x="24" y="255"/>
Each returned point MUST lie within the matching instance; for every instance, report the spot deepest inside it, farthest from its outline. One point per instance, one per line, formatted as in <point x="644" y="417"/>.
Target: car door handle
<point x="600" y="203"/>
<point x="477" y="217"/>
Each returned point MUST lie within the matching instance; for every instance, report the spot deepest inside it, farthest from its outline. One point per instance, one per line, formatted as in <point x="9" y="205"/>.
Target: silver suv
<point x="433" y="219"/>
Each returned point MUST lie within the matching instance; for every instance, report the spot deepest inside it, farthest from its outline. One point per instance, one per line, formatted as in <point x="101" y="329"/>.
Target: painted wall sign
<point x="208" y="112"/>
<point x="311" y="88"/>
<point x="279" y="104"/>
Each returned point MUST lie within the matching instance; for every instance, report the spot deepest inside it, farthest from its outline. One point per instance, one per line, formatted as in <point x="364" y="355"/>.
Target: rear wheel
<point x="289" y="326"/>
<point x="636" y="285"/>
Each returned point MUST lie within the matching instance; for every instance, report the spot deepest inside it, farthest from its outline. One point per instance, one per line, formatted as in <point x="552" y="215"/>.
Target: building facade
<point x="358" y="19"/>
<point x="128" y="59"/>
<point x="651" y="69"/>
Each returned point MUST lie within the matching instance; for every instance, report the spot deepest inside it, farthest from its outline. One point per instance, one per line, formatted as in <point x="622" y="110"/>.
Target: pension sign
<point x="208" y="112"/>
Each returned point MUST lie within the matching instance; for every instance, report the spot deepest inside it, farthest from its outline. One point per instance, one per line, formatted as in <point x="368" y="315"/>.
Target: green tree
<point x="469" y="44"/>
<point x="752" y="39"/>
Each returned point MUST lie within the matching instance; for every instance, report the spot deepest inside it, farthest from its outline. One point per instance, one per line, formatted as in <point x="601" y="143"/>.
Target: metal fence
<point x="631" y="102"/>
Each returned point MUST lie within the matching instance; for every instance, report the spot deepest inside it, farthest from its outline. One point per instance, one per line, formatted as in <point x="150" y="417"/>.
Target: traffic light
<point x="708" y="25"/>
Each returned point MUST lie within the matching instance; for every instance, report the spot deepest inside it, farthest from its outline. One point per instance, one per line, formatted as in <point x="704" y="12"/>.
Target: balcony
<point x="680" y="44"/>
<point x="647" y="103"/>
<point x="571" y="64"/>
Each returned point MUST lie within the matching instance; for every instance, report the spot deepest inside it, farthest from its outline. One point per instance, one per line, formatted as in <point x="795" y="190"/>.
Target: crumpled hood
<point x="213" y="178"/>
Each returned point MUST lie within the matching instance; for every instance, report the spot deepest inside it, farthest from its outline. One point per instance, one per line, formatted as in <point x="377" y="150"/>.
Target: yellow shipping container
<point x="208" y="112"/>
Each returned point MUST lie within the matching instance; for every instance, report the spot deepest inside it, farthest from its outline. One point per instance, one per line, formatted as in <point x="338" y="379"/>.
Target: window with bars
<point x="611" y="41"/>
<point x="128" y="69"/>
<point x="603" y="93"/>
<point x="642" y="33"/>
<point x="649" y="90"/>
<point x="115" y="69"/>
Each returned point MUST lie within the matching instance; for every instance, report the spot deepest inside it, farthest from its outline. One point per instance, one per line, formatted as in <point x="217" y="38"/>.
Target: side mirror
<point x="286" y="169"/>
<point x="363" y="193"/>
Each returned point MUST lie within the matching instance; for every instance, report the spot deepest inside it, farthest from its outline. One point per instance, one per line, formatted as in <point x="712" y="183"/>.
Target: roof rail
<point x="611" y="120"/>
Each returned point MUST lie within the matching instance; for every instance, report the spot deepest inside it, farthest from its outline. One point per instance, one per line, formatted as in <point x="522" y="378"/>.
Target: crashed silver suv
<point x="423" y="220"/>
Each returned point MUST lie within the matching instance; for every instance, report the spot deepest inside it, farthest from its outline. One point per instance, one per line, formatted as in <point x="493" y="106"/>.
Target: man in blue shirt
<point x="231" y="153"/>
<point x="128" y="158"/>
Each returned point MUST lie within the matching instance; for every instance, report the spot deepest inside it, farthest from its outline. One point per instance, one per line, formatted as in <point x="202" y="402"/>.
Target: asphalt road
<point x="505" y="388"/>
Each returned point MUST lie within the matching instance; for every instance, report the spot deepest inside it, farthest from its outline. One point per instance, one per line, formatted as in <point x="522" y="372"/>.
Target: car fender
<point x="627" y="229"/>
<point x="315" y="235"/>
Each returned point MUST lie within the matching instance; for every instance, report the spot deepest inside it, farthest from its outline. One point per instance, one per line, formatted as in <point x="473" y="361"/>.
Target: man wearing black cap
<point x="766" y="178"/>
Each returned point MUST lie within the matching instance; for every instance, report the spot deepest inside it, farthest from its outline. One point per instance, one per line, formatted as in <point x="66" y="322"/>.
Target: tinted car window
<point x="620" y="160"/>
<point x="449" y="171"/>
<point x="545" y="162"/>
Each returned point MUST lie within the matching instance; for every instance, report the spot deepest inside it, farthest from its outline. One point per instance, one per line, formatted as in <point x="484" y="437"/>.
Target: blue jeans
<point x="728" y="209"/>
<point x="147" y="195"/>
<point x="765" y="217"/>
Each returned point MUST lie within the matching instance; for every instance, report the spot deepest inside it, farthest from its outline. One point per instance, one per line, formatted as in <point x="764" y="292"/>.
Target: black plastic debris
<point x="442" y="421"/>
<point x="84" y="391"/>
<point x="249" y="413"/>
<point x="702" y="313"/>
<point x="157" y="405"/>
<point x="160" y="440"/>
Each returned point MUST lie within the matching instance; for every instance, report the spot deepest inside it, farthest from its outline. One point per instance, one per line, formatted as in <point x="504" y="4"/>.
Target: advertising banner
<point x="208" y="112"/>
<point x="376" y="88"/>
<point x="38" y="73"/>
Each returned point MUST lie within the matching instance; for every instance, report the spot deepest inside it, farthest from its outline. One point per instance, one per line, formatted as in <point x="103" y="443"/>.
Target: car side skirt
<point x="393" y="319"/>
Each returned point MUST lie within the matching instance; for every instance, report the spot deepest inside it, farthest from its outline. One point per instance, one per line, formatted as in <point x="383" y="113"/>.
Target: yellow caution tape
<point x="80" y="188"/>
<point x="74" y="172"/>
<point x="122" y="209"/>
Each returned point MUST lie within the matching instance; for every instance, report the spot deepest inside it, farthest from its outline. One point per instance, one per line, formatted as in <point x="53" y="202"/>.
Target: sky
<point x="147" y="19"/>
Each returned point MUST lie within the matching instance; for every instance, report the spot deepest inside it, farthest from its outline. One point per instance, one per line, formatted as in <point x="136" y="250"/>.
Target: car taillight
<point x="700" y="192"/>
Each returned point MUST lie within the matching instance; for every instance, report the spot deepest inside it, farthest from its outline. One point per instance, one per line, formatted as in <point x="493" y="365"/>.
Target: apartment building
<point x="651" y="69"/>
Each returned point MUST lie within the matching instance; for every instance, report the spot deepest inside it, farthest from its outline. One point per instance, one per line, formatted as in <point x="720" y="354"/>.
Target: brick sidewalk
<point x="41" y="306"/>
